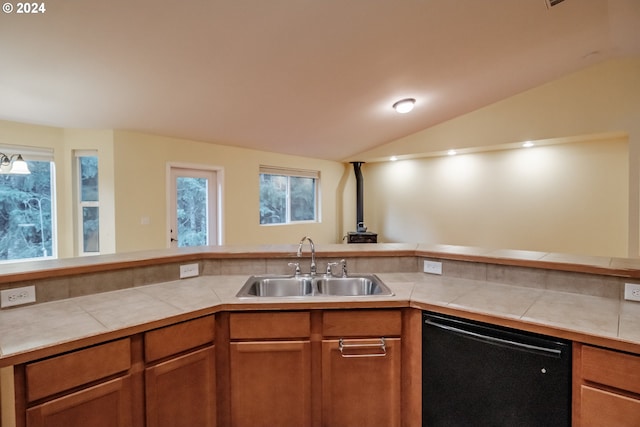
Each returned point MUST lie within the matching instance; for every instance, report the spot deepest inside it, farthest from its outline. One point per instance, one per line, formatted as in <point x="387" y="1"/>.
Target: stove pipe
<point x="360" y="228"/>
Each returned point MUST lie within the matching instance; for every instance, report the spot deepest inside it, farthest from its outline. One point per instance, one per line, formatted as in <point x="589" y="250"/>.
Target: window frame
<point x="292" y="173"/>
<point x="39" y="154"/>
<point x="81" y="204"/>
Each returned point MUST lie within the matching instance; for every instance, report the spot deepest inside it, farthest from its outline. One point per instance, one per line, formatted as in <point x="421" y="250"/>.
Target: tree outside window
<point x="287" y="195"/>
<point x="26" y="214"/>
<point x="89" y="203"/>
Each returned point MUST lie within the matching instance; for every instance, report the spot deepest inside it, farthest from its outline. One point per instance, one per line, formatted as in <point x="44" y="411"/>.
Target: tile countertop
<point x="28" y="333"/>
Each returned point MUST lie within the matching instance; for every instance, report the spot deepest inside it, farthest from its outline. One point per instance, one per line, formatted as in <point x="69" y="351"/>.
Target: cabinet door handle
<point x="360" y="349"/>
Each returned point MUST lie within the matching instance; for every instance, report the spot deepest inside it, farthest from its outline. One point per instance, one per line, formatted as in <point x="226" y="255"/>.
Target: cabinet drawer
<point x="354" y="323"/>
<point x="611" y="368"/>
<point x="65" y="372"/>
<point x="177" y="338"/>
<point x="292" y="324"/>
<point x="602" y="408"/>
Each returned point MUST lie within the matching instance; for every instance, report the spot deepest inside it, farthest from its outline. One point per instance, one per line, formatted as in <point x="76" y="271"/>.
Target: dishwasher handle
<point x="555" y="352"/>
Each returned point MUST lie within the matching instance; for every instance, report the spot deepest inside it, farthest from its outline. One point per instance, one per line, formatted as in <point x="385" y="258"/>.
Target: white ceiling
<point x="315" y="78"/>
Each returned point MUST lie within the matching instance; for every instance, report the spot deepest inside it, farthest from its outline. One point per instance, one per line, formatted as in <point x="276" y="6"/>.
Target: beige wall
<point x="602" y="99"/>
<point x="144" y="194"/>
<point x="559" y="198"/>
<point x="64" y="142"/>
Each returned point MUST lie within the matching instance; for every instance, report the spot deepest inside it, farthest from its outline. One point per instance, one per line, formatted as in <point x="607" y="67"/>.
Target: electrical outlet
<point x="433" y="267"/>
<point x="17" y="296"/>
<point x="632" y="292"/>
<point x="188" y="270"/>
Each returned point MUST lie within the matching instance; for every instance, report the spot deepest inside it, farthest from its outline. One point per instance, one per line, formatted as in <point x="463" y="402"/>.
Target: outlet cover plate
<point x="433" y="267"/>
<point x="17" y="296"/>
<point x="189" y="270"/>
<point x="632" y="292"/>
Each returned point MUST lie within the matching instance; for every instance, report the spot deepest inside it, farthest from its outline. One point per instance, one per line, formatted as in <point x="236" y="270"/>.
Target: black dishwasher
<point x="476" y="374"/>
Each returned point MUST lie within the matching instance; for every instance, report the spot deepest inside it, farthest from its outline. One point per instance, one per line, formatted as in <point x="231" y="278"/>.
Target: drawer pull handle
<point x="360" y="349"/>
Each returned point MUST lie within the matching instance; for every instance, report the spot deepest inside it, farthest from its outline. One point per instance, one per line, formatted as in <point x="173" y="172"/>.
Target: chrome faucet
<point x="313" y="253"/>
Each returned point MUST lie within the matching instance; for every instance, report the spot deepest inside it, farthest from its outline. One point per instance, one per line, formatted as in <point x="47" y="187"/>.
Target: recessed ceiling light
<point x="452" y="152"/>
<point x="404" y="105"/>
<point x="527" y="144"/>
<point x="393" y="158"/>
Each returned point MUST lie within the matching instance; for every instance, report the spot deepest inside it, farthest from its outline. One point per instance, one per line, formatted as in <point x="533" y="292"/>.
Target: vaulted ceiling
<point x="315" y="78"/>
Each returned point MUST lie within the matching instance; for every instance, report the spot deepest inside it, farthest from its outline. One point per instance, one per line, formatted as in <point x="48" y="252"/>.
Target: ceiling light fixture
<point x="527" y="144"/>
<point x="393" y="158"/>
<point x="452" y="152"/>
<point x="13" y="164"/>
<point x="404" y="105"/>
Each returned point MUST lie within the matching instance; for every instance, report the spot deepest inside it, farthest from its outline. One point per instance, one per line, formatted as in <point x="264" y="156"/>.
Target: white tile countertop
<point x="40" y="330"/>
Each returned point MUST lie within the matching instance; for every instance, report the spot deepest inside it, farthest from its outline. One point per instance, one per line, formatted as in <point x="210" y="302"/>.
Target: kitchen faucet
<point x="313" y="253"/>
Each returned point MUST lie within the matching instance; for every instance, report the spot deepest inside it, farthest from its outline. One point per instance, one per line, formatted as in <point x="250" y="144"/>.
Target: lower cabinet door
<point x="361" y="382"/>
<point x="181" y="391"/>
<point x="270" y="384"/>
<point x="603" y="408"/>
<point x="105" y="405"/>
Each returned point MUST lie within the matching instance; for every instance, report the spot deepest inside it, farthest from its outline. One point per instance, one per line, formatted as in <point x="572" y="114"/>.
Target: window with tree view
<point x="89" y="203"/>
<point x="288" y="195"/>
<point x="26" y="213"/>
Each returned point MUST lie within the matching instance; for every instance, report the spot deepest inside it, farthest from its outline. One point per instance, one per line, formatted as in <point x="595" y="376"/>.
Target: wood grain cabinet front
<point x="270" y="369"/>
<point x="180" y="377"/>
<point x="105" y="405"/>
<point x="86" y="387"/>
<point x="606" y="387"/>
<point x="361" y="368"/>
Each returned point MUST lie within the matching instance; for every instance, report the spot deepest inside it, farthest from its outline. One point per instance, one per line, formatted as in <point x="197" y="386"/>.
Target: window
<point x="88" y="202"/>
<point x="288" y="195"/>
<point x="27" y="208"/>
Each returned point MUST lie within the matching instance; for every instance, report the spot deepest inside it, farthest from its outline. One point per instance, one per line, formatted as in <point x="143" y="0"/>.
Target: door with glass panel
<point x="193" y="207"/>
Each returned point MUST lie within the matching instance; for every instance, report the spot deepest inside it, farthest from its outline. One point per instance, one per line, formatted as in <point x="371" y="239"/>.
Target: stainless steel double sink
<point x="310" y="286"/>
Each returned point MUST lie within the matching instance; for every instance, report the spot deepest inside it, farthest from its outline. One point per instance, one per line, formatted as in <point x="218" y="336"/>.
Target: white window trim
<point x="292" y="172"/>
<point x="219" y="170"/>
<point x="82" y="204"/>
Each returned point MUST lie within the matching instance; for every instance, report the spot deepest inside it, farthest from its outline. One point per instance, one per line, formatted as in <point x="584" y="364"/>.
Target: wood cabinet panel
<point x="270" y="384"/>
<point x="605" y="409"/>
<point x="361" y="390"/>
<point x="270" y="325"/>
<point x="181" y="391"/>
<point x="354" y="323"/>
<point x="611" y="368"/>
<point x="104" y="405"/>
<point x="60" y="373"/>
<point x="174" y="339"/>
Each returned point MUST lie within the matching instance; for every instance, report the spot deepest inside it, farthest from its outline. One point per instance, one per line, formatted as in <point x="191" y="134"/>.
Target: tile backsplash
<point x="57" y="288"/>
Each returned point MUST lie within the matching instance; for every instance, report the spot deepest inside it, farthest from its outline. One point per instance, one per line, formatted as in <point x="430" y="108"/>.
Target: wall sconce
<point x="13" y="164"/>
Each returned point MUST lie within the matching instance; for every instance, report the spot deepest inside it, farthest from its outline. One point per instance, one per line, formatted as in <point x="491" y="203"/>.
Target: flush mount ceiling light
<point x="527" y="144"/>
<point x="13" y="164"/>
<point x="404" y="105"/>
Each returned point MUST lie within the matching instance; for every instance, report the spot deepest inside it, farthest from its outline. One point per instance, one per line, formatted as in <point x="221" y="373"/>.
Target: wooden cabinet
<point x="104" y="405"/>
<point x="180" y="381"/>
<point x="606" y="390"/>
<point x="165" y="376"/>
<point x="88" y="387"/>
<point x="270" y="369"/>
<point x="361" y="370"/>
